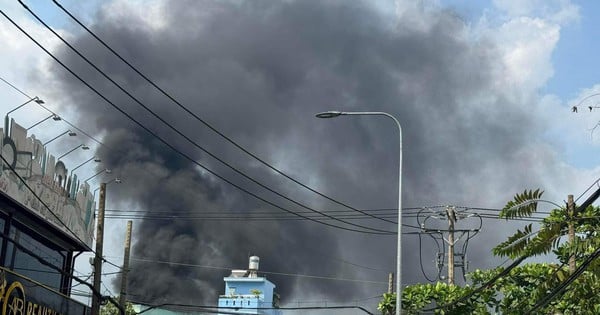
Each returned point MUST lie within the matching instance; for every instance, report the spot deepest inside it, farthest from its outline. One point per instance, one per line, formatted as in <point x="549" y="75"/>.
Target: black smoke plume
<point x="259" y="71"/>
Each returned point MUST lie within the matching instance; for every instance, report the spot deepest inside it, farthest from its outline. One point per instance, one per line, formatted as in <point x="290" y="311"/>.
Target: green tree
<point x="111" y="309"/>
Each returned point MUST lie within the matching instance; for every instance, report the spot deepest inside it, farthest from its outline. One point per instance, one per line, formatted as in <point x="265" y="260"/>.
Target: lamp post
<point x="34" y="99"/>
<point x="115" y="180"/>
<point x="108" y="171"/>
<point x="82" y="146"/>
<point x="333" y="114"/>
<point x="71" y="134"/>
<point x="95" y="159"/>
<point x="54" y="117"/>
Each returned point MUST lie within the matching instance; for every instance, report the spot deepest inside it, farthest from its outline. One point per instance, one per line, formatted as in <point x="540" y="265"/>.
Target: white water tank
<point x="253" y="265"/>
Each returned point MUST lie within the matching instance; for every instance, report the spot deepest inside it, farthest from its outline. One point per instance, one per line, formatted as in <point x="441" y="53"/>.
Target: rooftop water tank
<point x="253" y="265"/>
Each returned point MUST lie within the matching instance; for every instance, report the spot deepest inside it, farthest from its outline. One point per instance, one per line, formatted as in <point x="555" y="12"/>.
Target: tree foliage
<point x="111" y="309"/>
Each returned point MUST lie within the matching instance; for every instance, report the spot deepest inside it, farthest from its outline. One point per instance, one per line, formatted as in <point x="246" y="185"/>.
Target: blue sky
<point x="574" y="57"/>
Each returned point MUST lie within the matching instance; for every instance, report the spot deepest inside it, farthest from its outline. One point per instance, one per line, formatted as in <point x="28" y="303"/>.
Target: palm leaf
<point x="523" y="205"/>
<point x="515" y="245"/>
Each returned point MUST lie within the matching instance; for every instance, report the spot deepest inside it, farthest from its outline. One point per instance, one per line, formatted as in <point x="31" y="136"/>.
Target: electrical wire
<point x="141" y="259"/>
<point x="37" y="197"/>
<point x="212" y="128"/>
<point x="596" y="182"/>
<point x="341" y="212"/>
<point x="187" y="138"/>
<point x="393" y="215"/>
<point x="560" y="288"/>
<point x="8" y="166"/>
<point x="558" y="268"/>
<point x="186" y="156"/>
<point x="266" y="215"/>
<point x="268" y="212"/>
<point x="223" y="217"/>
<point x="421" y="260"/>
<point x="515" y="263"/>
<point x="106" y="289"/>
<point x="405" y="211"/>
<point x="48" y="264"/>
<point x="54" y="113"/>
<point x="220" y="309"/>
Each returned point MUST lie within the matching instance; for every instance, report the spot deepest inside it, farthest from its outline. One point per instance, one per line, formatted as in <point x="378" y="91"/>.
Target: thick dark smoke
<point x="259" y="71"/>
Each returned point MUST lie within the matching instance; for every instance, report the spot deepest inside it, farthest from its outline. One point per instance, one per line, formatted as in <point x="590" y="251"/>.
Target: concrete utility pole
<point x="99" y="243"/>
<point x="391" y="282"/>
<point x="451" y="219"/>
<point x="123" y="293"/>
<point x="571" y="215"/>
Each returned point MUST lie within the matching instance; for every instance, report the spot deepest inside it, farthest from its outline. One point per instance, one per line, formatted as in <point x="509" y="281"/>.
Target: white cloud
<point x="526" y="33"/>
<point x="527" y="45"/>
<point x="144" y="13"/>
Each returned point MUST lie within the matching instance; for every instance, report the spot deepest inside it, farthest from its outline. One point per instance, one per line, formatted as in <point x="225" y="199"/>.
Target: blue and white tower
<point x="247" y="293"/>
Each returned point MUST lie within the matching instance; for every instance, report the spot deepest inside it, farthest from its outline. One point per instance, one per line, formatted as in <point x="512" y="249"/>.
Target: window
<point x="28" y="265"/>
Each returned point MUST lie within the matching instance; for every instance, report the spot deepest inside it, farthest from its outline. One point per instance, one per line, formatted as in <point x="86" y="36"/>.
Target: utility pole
<point x="391" y="282"/>
<point x="99" y="243"/>
<point x="571" y="215"/>
<point x="451" y="219"/>
<point x="123" y="293"/>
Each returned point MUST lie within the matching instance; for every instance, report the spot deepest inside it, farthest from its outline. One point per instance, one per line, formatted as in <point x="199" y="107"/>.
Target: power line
<point x="236" y="215"/>
<point x="560" y="288"/>
<point x="262" y="271"/>
<point x="46" y="263"/>
<point x="186" y="156"/>
<point x="282" y="217"/>
<point x="186" y="109"/>
<point x="54" y="113"/>
<point x="596" y="182"/>
<point x="227" y="218"/>
<point x="406" y="212"/>
<point x="515" y="263"/>
<point x="220" y="309"/>
<point x="14" y="87"/>
<point x="180" y="133"/>
<point x="22" y="180"/>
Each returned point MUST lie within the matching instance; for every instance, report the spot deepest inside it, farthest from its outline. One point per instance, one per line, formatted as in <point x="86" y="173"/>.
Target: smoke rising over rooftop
<point x="259" y="71"/>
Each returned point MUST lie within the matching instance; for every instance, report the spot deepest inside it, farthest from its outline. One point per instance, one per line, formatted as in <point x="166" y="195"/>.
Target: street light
<point x="54" y="117"/>
<point x="333" y="114"/>
<point x="71" y="134"/>
<point x="108" y="171"/>
<point x="115" y="180"/>
<point x="95" y="159"/>
<point x="82" y="146"/>
<point x="34" y="99"/>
